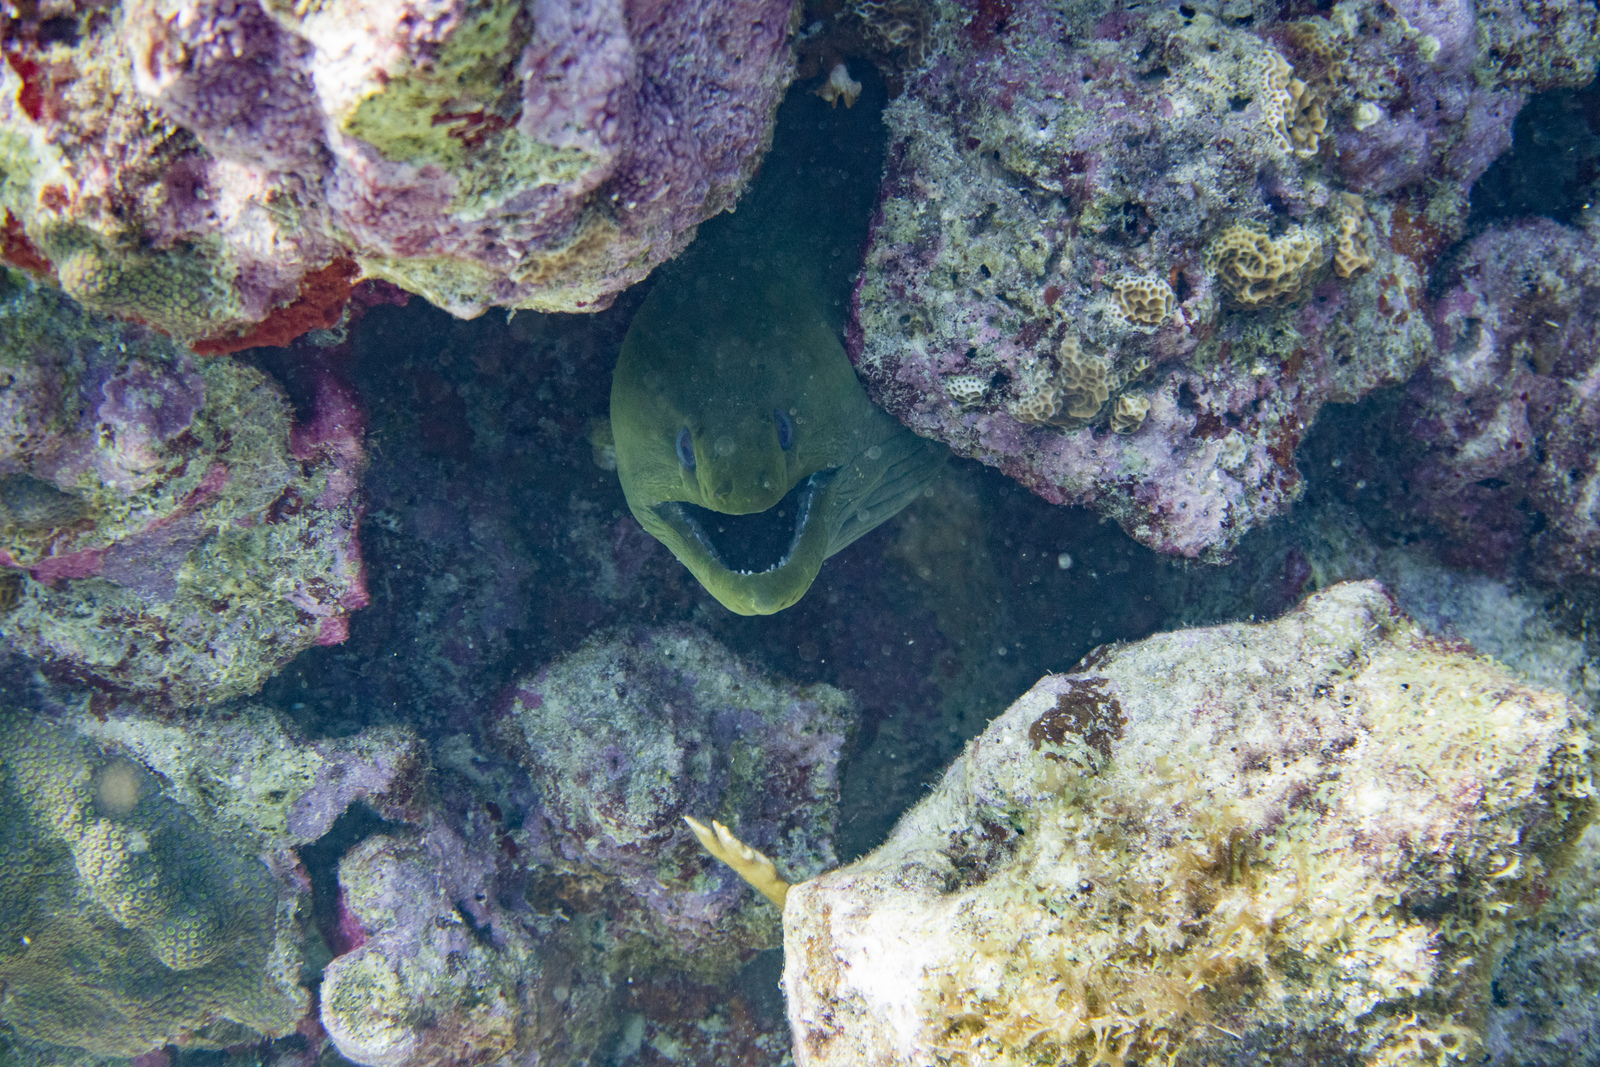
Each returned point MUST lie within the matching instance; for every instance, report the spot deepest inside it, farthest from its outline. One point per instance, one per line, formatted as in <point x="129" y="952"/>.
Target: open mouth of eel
<point x="751" y="544"/>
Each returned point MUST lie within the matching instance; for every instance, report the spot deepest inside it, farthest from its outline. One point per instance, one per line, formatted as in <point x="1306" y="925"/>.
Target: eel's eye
<point x="785" y="429"/>
<point x="685" y="449"/>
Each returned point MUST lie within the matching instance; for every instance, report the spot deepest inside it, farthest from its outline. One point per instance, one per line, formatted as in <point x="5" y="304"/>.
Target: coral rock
<point x="419" y="957"/>
<point x="631" y="733"/>
<point x="563" y="859"/>
<point x="1044" y="157"/>
<point x="181" y="536"/>
<point x="151" y="882"/>
<point x="1307" y="840"/>
<point x="200" y="166"/>
<point x="1497" y="440"/>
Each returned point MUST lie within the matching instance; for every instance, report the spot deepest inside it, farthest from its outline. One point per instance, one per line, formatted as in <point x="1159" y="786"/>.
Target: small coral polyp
<point x="1292" y="108"/>
<point x="1143" y="301"/>
<point x="1259" y="271"/>
<point x="1076" y="387"/>
<point x="967" y="390"/>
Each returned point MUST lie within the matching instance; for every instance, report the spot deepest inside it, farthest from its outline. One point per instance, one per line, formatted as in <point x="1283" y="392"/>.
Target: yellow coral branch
<point x="746" y="862"/>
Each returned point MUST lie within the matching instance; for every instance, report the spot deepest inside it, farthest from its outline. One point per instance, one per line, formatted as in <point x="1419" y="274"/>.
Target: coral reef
<point x="1266" y="179"/>
<point x="558" y="860"/>
<point x="187" y="883"/>
<point x="216" y="169"/>
<point x="1296" y="841"/>
<point x="430" y="944"/>
<point x="174" y="532"/>
<point x="628" y="734"/>
<point x="152" y="893"/>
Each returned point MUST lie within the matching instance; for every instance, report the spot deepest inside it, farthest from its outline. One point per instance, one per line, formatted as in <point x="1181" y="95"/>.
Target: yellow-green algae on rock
<point x="1303" y="842"/>
<point x="198" y="167"/>
<point x="181" y="537"/>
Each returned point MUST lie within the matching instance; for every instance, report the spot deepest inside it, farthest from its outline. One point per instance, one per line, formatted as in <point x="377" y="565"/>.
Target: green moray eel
<point x="744" y="441"/>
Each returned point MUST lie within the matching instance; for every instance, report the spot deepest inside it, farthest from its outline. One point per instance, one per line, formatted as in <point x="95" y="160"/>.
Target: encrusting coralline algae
<point x="1234" y="211"/>
<point x="172" y="530"/>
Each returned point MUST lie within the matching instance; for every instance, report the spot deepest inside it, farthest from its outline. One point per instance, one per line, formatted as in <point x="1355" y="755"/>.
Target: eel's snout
<point x="741" y="496"/>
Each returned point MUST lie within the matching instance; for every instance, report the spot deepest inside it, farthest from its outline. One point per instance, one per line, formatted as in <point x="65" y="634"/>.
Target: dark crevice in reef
<point x="1553" y="164"/>
<point x="321" y="858"/>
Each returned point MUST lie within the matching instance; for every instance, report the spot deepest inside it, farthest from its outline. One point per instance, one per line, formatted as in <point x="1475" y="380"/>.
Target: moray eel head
<point x="744" y="441"/>
<point x="751" y="450"/>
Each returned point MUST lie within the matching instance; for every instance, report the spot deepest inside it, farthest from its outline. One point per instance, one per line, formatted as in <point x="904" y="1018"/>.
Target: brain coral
<point x="196" y="166"/>
<point x="1259" y="271"/>
<point x="180" y="535"/>
<point x="1041" y="159"/>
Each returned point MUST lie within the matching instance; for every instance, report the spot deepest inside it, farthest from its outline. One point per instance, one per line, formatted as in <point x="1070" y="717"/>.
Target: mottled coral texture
<point x="198" y="166"/>
<point x="152" y="895"/>
<point x="1052" y="158"/>
<point x="181" y="535"/>
<point x="1297" y="842"/>
<point x="632" y="732"/>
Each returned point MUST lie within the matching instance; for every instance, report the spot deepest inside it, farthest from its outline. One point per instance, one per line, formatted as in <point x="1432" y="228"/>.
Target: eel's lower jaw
<point x="692" y="520"/>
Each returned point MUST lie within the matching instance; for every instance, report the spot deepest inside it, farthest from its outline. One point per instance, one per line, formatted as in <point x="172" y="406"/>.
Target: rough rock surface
<point x="518" y="915"/>
<point x="1548" y="988"/>
<point x="1496" y="443"/>
<point x="165" y="525"/>
<point x="204" y="166"/>
<point x="1127" y="255"/>
<point x="632" y="732"/>
<point x="1302" y="841"/>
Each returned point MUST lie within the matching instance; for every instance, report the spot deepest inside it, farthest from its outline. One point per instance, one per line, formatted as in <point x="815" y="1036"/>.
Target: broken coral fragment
<point x="754" y="867"/>
<point x="840" y="86"/>
<point x="1308" y="835"/>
